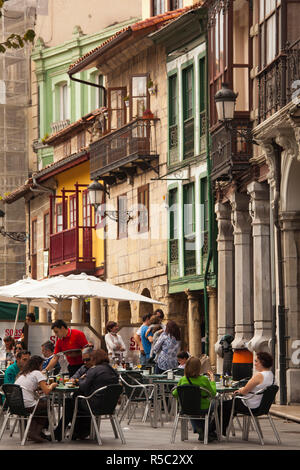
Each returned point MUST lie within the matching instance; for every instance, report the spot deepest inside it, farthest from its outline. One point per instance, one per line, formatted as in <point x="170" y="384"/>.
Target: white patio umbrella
<point x="82" y="286"/>
<point x="9" y="292"/>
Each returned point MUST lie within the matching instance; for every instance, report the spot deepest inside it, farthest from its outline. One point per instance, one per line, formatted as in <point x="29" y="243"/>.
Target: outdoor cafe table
<point x="62" y="392"/>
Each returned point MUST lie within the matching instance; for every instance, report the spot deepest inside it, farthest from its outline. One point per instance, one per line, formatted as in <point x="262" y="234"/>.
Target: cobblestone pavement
<point x="141" y="436"/>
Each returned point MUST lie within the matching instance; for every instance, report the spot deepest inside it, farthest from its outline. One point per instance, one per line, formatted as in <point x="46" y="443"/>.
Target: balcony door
<point x="116" y="108"/>
<point x="87" y="226"/>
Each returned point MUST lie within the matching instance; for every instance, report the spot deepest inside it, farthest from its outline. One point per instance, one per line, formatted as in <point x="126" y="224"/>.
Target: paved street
<point x="141" y="436"/>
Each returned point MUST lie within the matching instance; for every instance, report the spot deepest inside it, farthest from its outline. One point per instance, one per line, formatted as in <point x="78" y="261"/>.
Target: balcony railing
<point x="133" y="142"/>
<point x="71" y="251"/>
<point x="278" y="81"/>
<point x="230" y="151"/>
<point x="59" y="125"/>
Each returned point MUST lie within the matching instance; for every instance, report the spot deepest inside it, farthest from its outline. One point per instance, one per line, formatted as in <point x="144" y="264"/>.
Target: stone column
<point x="290" y="222"/>
<point x="194" y="327"/>
<point x="225" y="270"/>
<point x="76" y="311"/>
<point x="213" y="323"/>
<point x="262" y="302"/>
<point x="95" y="314"/>
<point x="43" y="315"/>
<point x="241" y="222"/>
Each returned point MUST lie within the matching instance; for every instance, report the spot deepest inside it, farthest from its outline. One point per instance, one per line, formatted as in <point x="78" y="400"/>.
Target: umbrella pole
<point x="16" y="319"/>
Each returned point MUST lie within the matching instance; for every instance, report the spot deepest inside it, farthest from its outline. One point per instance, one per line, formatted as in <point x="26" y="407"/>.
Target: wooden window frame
<point x="110" y="109"/>
<point x="34" y="236"/>
<point x="143" y="190"/>
<point x="147" y="96"/>
<point x="46" y="239"/>
<point x="263" y="27"/>
<point x="87" y="212"/>
<point x="72" y="211"/>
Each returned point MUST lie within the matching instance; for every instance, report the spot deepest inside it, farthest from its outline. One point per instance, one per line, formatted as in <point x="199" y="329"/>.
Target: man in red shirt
<point x="67" y="339"/>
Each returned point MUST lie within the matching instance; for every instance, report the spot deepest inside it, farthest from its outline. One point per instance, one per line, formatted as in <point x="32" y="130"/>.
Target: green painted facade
<point x="192" y="252"/>
<point x="51" y="65"/>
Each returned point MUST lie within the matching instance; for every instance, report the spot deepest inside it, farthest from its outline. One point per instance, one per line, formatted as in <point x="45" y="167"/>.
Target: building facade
<point x="254" y="175"/>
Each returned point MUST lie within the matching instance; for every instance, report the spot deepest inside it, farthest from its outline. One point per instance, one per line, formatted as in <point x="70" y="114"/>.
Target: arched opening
<point x="144" y="307"/>
<point x="124" y="313"/>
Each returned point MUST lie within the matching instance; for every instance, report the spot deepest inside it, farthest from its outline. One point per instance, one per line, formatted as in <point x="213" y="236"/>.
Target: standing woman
<point x="114" y="343"/>
<point x="167" y="346"/>
<point x="30" y="379"/>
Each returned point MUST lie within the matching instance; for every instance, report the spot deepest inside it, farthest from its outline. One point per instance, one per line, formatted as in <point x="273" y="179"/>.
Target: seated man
<point x="87" y="363"/>
<point x="48" y="352"/>
<point x="12" y="371"/>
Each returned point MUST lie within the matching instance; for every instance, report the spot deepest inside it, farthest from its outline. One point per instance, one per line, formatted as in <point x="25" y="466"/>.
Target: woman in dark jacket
<point x="99" y="375"/>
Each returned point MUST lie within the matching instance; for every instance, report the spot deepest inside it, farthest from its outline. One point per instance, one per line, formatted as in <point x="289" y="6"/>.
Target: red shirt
<point x="75" y="339"/>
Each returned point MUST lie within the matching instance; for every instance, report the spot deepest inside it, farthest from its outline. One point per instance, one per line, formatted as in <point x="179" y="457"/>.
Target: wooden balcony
<point x="230" y="152"/>
<point x="278" y="81"/>
<point x="119" y="154"/>
<point x="71" y="252"/>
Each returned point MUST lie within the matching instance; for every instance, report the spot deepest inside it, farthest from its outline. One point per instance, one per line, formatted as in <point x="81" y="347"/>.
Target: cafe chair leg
<point x="119" y="432"/>
<point x="5" y="421"/>
<point x="173" y="435"/>
<point x="113" y="425"/>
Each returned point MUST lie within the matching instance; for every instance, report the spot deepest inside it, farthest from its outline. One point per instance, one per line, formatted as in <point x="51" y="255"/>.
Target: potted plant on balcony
<point x="151" y="87"/>
<point x="147" y="114"/>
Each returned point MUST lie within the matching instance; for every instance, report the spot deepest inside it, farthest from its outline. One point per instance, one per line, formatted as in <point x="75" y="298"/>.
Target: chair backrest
<point x="268" y="397"/>
<point x="105" y="401"/>
<point x="190" y="399"/>
<point x="14" y="399"/>
<point x="129" y="381"/>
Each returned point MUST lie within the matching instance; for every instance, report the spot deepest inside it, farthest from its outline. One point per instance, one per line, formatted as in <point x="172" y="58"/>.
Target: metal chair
<point x="250" y="416"/>
<point x="16" y="410"/>
<point x="101" y="404"/>
<point x="190" y="398"/>
<point x="137" y="393"/>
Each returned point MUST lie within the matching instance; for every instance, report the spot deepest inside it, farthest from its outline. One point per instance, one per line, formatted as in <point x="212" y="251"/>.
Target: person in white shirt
<point x="263" y="378"/>
<point x="31" y="379"/>
<point x="115" y="345"/>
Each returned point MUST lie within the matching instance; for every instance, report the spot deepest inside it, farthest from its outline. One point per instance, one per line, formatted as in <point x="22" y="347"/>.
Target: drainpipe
<point x="85" y="82"/>
<point x="281" y="307"/>
<point x="210" y="211"/>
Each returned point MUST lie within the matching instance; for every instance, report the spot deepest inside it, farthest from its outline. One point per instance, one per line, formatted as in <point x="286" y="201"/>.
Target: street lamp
<point x="96" y="193"/>
<point x="225" y="103"/>
<point x="16" y="236"/>
<point x="225" y="100"/>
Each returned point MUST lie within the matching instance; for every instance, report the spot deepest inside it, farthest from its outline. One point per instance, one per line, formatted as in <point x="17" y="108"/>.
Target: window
<point x="173" y="126"/>
<point x="99" y="94"/>
<point x="269" y="29"/>
<point x="59" y="217"/>
<point x="143" y="213"/>
<point x="189" y="229"/>
<point x="46" y="230"/>
<point x="175" y="4"/>
<point x="117" y="108"/>
<point x="34" y="237"/>
<point x="63" y="102"/>
<point x="72" y="211"/>
<point x="86" y="210"/>
<point x="205" y="217"/>
<point x="202" y="98"/>
<point x="122" y="221"/>
<point x="87" y="237"/>
<point x="158" y="7"/>
<point x="139" y="95"/>
<point x="188" y="111"/>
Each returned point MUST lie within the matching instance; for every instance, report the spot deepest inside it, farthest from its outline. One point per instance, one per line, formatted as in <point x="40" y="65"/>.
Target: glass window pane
<point x="261" y="10"/>
<point x="139" y="86"/>
<point x="271" y="39"/>
<point x="241" y="82"/>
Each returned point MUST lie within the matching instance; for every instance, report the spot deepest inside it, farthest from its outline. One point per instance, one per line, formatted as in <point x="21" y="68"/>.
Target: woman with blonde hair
<point x="192" y="377"/>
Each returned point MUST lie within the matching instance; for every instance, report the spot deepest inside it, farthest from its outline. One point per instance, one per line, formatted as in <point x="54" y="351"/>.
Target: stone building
<point x="255" y="50"/>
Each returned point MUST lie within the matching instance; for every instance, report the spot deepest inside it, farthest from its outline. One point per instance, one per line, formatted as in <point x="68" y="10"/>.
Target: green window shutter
<point x="202" y="92"/>
<point x="173" y="127"/>
<point x="205" y="219"/>
<point x="189" y="229"/>
<point x="173" y="240"/>
<point x="188" y="111"/>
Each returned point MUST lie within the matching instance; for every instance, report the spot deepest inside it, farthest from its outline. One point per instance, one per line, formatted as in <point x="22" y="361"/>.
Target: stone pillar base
<point x="292" y="383"/>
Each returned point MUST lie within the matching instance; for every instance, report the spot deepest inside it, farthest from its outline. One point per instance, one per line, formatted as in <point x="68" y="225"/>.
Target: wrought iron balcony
<point x="117" y="155"/>
<point x="278" y="81"/>
<point x="230" y="150"/>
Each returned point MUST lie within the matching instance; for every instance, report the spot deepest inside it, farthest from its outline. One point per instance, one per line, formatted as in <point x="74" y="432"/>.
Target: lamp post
<point x="225" y="100"/>
<point x="96" y="197"/>
<point x="16" y="236"/>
